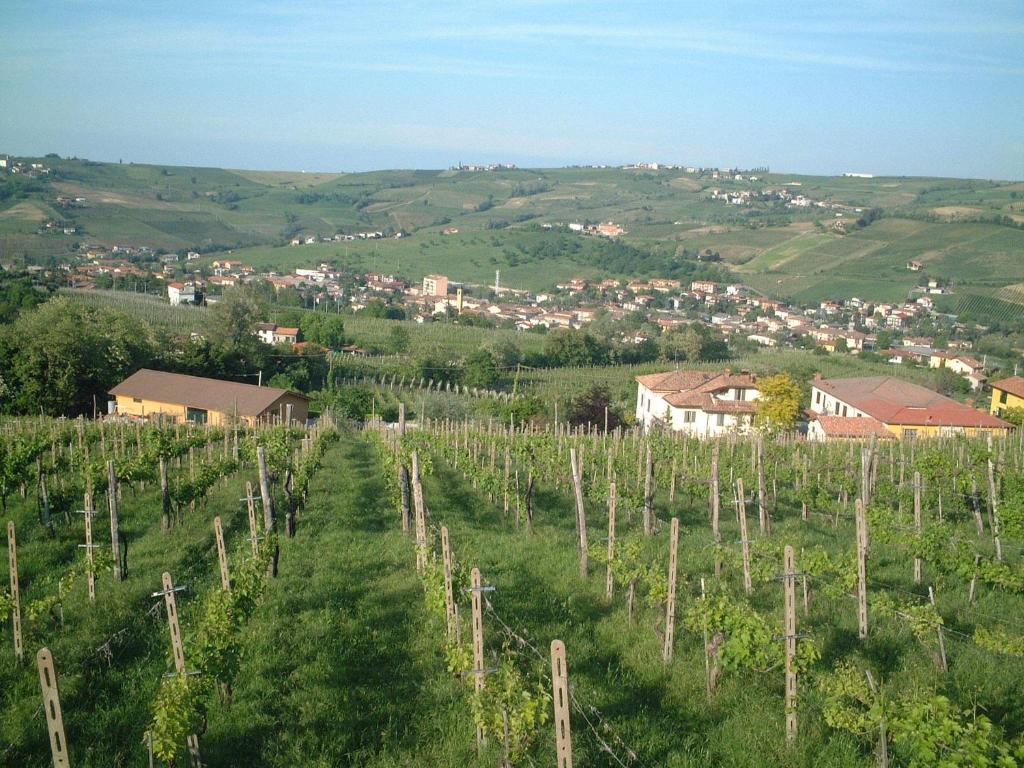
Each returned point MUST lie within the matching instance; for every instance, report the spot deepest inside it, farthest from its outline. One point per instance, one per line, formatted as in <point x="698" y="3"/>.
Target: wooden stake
<point x="789" y="582"/>
<point x="862" y="577"/>
<point x="449" y="595"/>
<point x="165" y="497"/>
<point x="762" y="492"/>
<point x="250" y="503"/>
<point x="918" y="526"/>
<point x="267" y="501"/>
<point x="715" y="508"/>
<point x="741" y="509"/>
<point x="51" y="707"/>
<point x="222" y="554"/>
<point x="12" y="559"/>
<point x="610" y="577"/>
<point x="670" y="603"/>
<point x="90" y="573"/>
<point x="115" y="530"/>
<point x="994" y="502"/>
<point x="649" y="493"/>
<point x="943" y="663"/>
<point x="478" y="640"/>
<point x="560" y="699"/>
<point x="581" y="515"/>
<point x="421" y="518"/>
<point x="178" y="650"/>
<point x="403" y="485"/>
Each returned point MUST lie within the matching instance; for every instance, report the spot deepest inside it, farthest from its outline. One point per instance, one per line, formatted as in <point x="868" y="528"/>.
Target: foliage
<point x="513" y="699"/>
<point x="778" y="405"/>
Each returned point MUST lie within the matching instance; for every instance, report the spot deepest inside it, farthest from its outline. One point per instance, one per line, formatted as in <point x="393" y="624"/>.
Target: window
<point x="910" y="434"/>
<point x="720" y="420"/>
<point x="196" y="415"/>
<point x="1002" y="398"/>
<point x="817" y="397"/>
<point x="689" y="417"/>
<point x="136" y="399"/>
<point x="844" y="410"/>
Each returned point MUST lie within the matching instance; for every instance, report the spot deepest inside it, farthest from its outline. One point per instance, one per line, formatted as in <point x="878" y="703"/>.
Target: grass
<point x="342" y="662"/>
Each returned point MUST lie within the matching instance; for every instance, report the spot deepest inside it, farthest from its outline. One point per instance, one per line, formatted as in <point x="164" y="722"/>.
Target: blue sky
<point x="921" y="88"/>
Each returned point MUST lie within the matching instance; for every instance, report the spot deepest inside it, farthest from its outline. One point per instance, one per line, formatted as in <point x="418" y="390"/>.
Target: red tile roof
<point x="1014" y="385"/>
<point x="894" y="401"/>
<point x="695" y="389"/>
<point x="852" y="426"/>
<point x="199" y="392"/>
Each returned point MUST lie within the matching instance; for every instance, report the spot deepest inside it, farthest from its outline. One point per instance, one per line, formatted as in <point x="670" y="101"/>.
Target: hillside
<point x="968" y="232"/>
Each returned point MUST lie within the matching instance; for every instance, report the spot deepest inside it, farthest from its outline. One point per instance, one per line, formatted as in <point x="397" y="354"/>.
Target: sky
<point x="931" y="88"/>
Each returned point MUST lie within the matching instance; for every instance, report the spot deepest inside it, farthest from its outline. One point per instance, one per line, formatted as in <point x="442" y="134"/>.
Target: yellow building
<point x="148" y="394"/>
<point x="1006" y="394"/>
<point x="907" y="410"/>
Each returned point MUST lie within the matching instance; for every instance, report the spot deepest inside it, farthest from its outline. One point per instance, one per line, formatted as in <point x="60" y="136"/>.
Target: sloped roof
<point x="852" y="426"/>
<point x="894" y="401"/>
<point x="695" y="389"/>
<point x="1014" y="385"/>
<point x="199" y="392"/>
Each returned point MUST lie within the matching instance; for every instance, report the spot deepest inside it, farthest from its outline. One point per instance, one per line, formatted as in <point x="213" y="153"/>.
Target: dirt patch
<point x="26" y="211"/>
<point x="514" y="202"/>
<point x="956" y="210"/>
<point x="682" y="182"/>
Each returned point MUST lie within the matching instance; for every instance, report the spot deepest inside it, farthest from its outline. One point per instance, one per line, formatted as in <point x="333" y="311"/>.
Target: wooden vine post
<point x="994" y="502"/>
<point x="789" y="584"/>
<point x="12" y="559"/>
<point x="609" y="588"/>
<point x="762" y="492"/>
<point x="649" y="492"/>
<point x="581" y="515"/>
<point x="943" y="663"/>
<point x="115" y="528"/>
<point x="918" y="525"/>
<point x="560" y="699"/>
<point x="90" y="571"/>
<point x="165" y="497"/>
<point x="250" y="505"/>
<point x="177" y="649"/>
<point x="670" y="602"/>
<point x="741" y="509"/>
<point x="421" y="518"/>
<point x="51" y="707"/>
<point x="716" y="508"/>
<point x="403" y="486"/>
<point x="478" y="640"/>
<point x="862" y="576"/>
<point x="449" y="595"/>
<point x="222" y="554"/>
<point x="267" y="501"/>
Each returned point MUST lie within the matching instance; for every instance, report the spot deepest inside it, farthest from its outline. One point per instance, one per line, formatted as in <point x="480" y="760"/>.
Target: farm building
<point x="1006" y="394"/>
<point x="697" y="402"/>
<point x="148" y="394"/>
<point x="905" y="409"/>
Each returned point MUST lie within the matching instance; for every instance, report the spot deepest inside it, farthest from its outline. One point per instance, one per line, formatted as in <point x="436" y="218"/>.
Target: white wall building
<point x="697" y="402"/>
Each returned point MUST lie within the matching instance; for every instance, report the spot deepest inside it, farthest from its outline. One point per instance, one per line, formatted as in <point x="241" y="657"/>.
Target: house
<point x="709" y="287"/>
<point x="914" y="266"/>
<point x="609" y="229"/>
<point x="148" y="394"/>
<point x="435" y="285"/>
<point x="700" y="403"/>
<point x="1007" y="394"/>
<point x="183" y="293"/>
<point x="269" y="333"/>
<point x="907" y="410"/>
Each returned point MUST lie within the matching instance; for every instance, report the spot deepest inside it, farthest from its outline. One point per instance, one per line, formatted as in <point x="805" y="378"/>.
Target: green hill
<point x="968" y="232"/>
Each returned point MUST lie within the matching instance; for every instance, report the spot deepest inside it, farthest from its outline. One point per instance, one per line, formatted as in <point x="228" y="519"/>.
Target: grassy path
<point x="341" y="667"/>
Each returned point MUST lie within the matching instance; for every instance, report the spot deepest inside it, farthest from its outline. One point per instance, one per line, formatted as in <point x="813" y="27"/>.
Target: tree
<point x="479" y="370"/>
<point x="680" y="345"/>
<point x="590" y="408"/>
<point x="235" y="316"/>
<point x="398" y="339"/>
<point x="506" y="352"/>
<point x="574" y="348"/>
<point x="778" y="406"/>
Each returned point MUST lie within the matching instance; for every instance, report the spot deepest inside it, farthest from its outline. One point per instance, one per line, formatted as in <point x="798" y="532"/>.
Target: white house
<point x="182" y="293"/>
<point x="701" y="403"/>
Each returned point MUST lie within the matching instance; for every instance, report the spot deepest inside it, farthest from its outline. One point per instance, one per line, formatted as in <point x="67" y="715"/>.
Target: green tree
<point x="574" y="348"/>
<point x="479" y="370"/>
<point x="778" y="406"/>
<point x="235" y="316"/>
<point x="399" y="339"/>
<point x="590" y="407"/>
<point x="680" y="345"/>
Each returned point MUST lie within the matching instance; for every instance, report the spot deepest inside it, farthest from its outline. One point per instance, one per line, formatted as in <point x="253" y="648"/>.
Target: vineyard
<point x="477" y="593"/>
